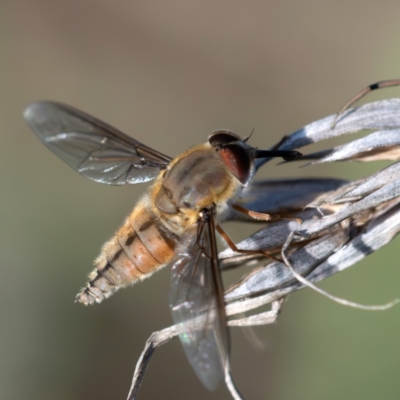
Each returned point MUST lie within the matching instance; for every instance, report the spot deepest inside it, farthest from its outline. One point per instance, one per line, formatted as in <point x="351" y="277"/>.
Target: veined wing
<point x="91" y="147"/>
<point x="197" y="302"/>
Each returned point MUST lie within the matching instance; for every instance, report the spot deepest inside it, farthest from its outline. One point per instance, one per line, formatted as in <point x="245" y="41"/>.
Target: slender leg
<point x="365" y="91"/>
<point x="233" y="246"/>
<point x="254" y="214"/>
<point x="260" y="216"/>
<point x="257" y="216"/>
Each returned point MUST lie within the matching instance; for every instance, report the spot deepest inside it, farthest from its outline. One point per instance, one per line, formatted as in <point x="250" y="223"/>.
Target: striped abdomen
<point x="138" y="249"/>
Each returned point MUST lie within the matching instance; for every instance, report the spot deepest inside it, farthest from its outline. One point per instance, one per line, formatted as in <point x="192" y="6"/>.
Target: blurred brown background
<point x="169" y="73"/>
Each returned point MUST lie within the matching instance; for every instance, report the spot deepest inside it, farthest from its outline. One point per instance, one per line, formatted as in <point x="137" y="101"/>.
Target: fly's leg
<point x="261" y="216"/>
<point x="256" y="216"/>
<point x="233" y="247"/>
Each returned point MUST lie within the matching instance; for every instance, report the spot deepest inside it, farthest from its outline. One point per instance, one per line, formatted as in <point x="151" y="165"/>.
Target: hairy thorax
<point x="194" y="180"/>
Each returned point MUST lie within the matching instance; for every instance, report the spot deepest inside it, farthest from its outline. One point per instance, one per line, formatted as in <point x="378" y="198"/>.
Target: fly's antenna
<point x="248" y="137"/>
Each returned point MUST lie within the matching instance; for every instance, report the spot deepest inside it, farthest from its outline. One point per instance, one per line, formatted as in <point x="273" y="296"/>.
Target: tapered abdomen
<point x="139" y="248"/>
<point x="146" y="242"/>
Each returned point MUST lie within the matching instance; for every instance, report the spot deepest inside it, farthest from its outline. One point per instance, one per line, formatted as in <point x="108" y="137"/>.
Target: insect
<point x="173" y="223"/>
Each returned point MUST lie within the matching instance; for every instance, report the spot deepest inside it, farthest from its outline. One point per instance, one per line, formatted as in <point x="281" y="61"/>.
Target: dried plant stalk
<point x="342" y="222"/>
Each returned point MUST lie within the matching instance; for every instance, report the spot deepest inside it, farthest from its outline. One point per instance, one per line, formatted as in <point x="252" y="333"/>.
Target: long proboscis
<point x="287" y="155"/>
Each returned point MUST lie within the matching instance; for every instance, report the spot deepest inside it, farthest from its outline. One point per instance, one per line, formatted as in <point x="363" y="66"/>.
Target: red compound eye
<point x="234" y="153"/>
<point x="238" y="161"/>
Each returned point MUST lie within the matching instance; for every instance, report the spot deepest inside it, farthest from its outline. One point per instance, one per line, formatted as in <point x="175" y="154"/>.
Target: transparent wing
<point x="91" y="147"/>
<point x="197" y="303"/>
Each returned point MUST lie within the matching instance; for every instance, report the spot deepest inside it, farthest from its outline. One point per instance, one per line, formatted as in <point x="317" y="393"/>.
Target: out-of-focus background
<point x="169" y="73"/>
